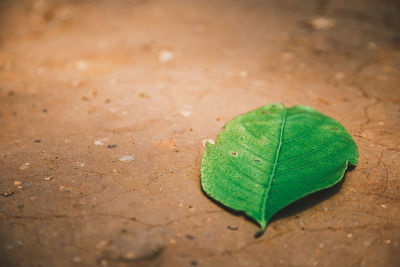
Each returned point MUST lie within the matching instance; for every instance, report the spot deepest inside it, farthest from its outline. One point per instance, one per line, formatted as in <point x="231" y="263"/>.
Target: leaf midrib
<point x="268" y="189"/>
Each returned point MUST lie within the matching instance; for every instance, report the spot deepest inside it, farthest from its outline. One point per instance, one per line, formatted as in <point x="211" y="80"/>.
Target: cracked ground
<point x="104" y="106"/>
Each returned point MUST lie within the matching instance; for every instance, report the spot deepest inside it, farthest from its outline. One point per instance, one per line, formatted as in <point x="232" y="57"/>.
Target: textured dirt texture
<point x="104" y="106"/>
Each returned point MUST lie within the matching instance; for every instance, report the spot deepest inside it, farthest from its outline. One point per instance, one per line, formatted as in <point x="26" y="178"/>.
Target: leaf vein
<point x="266" y="194"/>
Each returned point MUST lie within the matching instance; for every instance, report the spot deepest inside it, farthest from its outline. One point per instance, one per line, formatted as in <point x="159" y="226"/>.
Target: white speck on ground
<point x="127" y="158"/>
<point x="209" y="140"/>
<point x="165" y="56"/>
<point x="185" y="113"/>
<point x="322" y="23"/>
<point x="24" y="166"/>
<point x="100" y="142"/>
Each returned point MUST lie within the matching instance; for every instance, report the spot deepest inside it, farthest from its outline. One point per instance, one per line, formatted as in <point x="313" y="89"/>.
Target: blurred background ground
<point x="104" y="106"/>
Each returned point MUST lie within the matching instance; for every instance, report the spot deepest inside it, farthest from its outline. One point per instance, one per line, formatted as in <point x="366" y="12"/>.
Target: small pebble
<point x="112" y="146"/>
<point x="8" y="193"/>
<point x="126" y="159"/>
<point x="37" y="141"/>
<point x="100" y="142"/>
<point x="232" y="228"/>
<point x="24" y="166"/>
<point x="185" y="113"/>
<point x="189" y="237"/>
<point x="80" y="164"/>
<point x="48" y="178"/>
<point x="349" y="235"/>
<point x="193" y="263"/>
<point x="17" y="183"/>
<point x="165" y="56"/>
<point x="322" y="23"/>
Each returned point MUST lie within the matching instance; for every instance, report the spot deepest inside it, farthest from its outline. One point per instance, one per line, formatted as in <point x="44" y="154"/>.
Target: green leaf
<point x="267" y="158"/>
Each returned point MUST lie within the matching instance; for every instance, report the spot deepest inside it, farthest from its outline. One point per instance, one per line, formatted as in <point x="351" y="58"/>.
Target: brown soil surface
<point x="85" y="83"/>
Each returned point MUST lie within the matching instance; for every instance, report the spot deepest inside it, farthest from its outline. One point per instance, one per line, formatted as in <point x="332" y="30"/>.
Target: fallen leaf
<point x="272" y="156"/>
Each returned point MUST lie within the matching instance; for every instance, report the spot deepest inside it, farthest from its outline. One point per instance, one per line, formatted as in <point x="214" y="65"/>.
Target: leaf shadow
<point x="310" y="201"/>
<point x="294" y="208"/>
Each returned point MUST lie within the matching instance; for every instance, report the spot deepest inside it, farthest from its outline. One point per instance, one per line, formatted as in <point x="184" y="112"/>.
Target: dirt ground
<point x="104" y="106"/>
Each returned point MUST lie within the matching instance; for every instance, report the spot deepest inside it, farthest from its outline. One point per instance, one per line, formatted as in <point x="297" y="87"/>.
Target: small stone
<point x="232" y="228"/>
<point x="24" y="166"/>
<point x="48" y="178"/>
<point x="388" y="241"/>
<point x="165" y="56"/>
<point x="112" y="146"/>
<point x="172" y="241"/>
<point x="127" y="159"/>
<point x="76" y="259"/>
<point x="383" y="206"/>
<point x="17" y="183"/>
<point x="100" y="142"/>
<point x="37" y="140"/>
<point x="143" y="95"/>
<point x="322" y="23"/>
<point x="185" y="113"/>
<point x="350" y="235"/>
<point x="80" y="164"/>
<point x="189" y="237"/>
<point x="193" y="263"/>
<point x="8" y="193"/>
